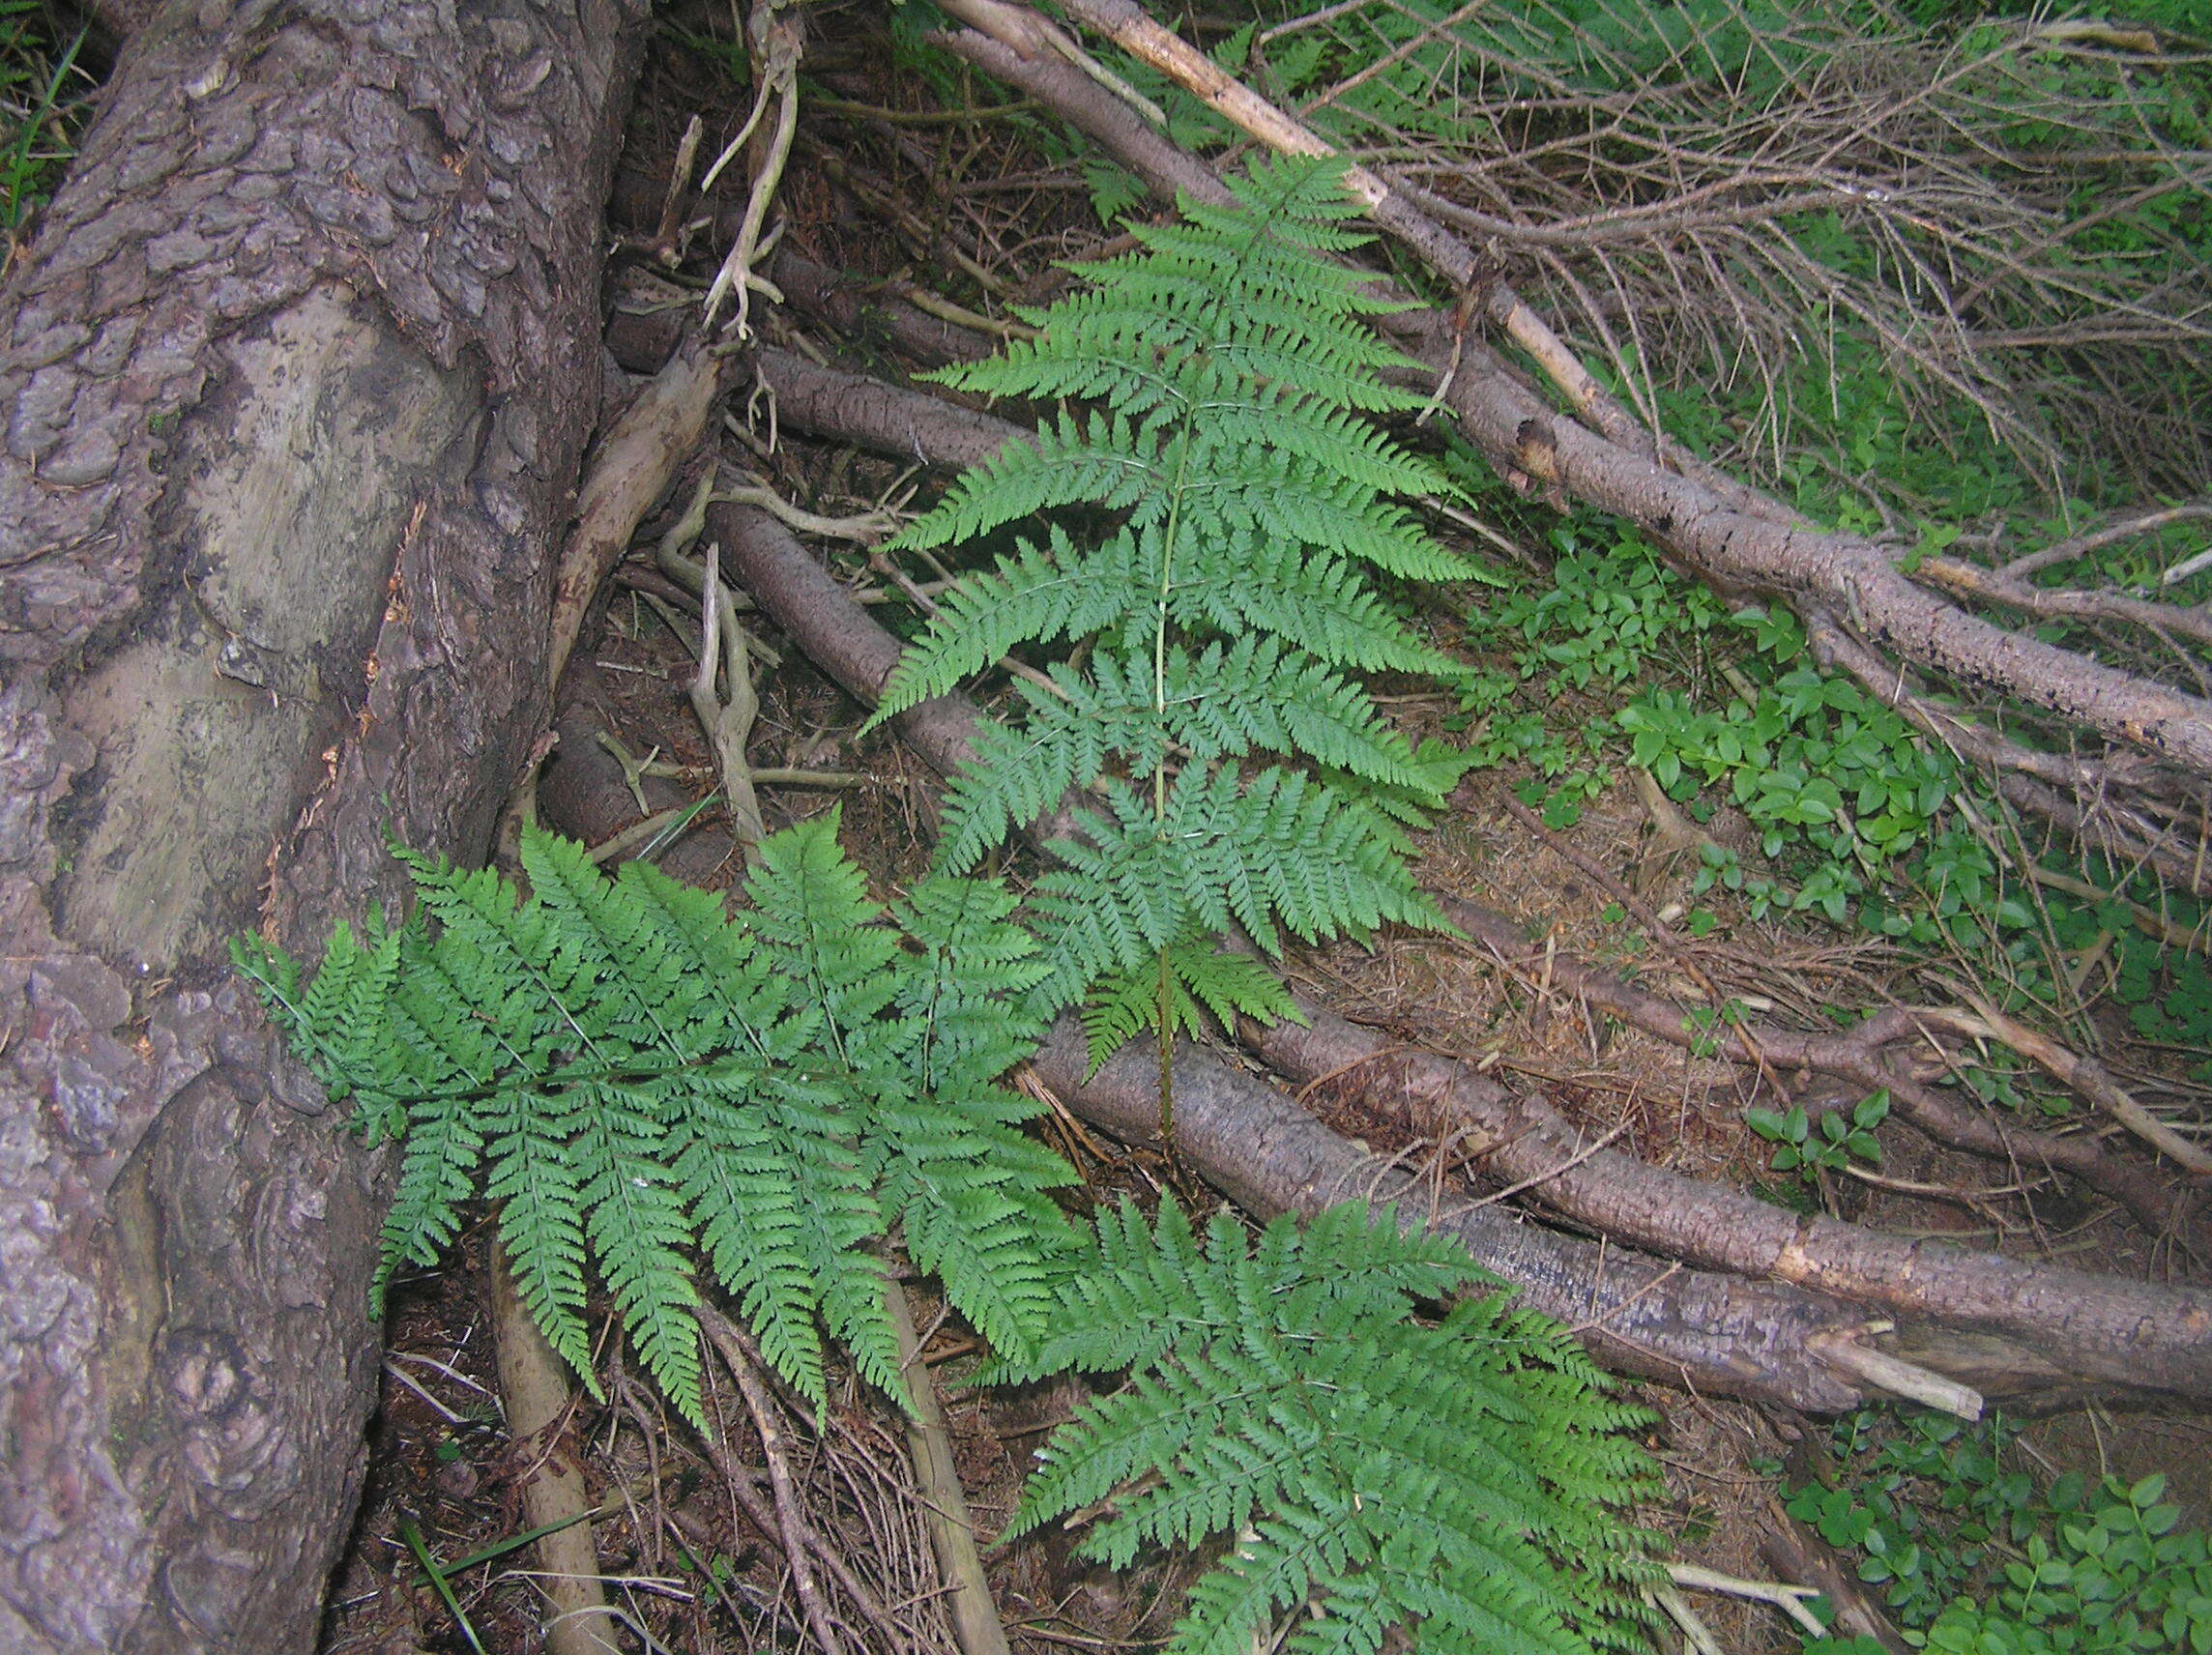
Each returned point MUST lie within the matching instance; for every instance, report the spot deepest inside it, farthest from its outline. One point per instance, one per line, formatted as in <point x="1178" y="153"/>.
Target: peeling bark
<point x="296" y="380"/>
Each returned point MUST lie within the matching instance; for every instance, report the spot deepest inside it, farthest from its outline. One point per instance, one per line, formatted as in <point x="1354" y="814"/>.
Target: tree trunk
<point x="296" y="379"/>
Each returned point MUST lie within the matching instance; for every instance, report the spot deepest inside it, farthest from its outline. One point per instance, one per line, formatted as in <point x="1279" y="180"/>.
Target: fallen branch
<point x="1729" y="536"/>
<point x="2120" y="1332"/>
<point x="794" y="1532"/>
<point x="1789" y="1599"/>
<point x="2085" y="1075"/>
<point x="1640" y="1315"/>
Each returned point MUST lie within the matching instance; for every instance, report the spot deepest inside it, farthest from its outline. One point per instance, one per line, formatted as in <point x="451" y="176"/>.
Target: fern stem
<point x="1168" y="534"/>
<point x="1166" y="1059"/>
<point x="1166" y="1005"/>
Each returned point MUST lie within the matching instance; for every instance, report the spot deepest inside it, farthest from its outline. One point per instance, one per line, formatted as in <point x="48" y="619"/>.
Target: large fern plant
<point x="1211" y="527"/>
<point x="638" y="1080"/>
<point x="1370" y="1469"/>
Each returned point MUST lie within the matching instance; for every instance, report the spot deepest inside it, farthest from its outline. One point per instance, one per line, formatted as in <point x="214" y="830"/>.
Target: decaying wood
<point x="297" y="374"/>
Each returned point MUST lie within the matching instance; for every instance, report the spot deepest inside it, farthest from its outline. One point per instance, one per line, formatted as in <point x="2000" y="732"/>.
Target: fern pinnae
<point x="638" y="1079"/>
<point x="1387" y="1470"/>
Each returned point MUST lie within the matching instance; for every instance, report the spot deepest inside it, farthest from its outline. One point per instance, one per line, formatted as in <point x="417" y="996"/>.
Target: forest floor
<point x="887" y="196"/>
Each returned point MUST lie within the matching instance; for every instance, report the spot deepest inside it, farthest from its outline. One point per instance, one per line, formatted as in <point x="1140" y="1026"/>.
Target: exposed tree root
<point x="793" y="1530"/>
<point x="2118" y="1332"/>
<point x="866" y="319"/>
<point x="534" y="1386"/>
<point x="631" y="470"/>
<point x="944" y="1504"/>
<point x="905" y="424"/>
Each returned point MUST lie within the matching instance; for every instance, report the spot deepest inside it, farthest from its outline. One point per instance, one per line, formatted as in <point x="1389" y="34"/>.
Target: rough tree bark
<point x="296" y="380"/>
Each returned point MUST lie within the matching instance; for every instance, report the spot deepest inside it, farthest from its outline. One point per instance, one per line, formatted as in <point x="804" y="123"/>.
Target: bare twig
<point x="792" y="1526"/>
<point x="777" y="45"/>
<point x="944" y="1504"/>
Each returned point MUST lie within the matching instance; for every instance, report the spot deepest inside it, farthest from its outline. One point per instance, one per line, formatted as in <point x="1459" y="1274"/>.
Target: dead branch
<point x="793" y="1531"/>
<point x="1706" y="1331"/>
<point x="2118" y="1331"/>
<point x="1865" y="1056"/>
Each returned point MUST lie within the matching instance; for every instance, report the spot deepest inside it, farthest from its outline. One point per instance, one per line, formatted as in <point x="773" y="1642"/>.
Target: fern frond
<point x="1035" y="595"/>
<point x="1278" y="849"/>
<point x="1372" y="1468"/>
<point x="638" y="1080"/>
<point x="540" y="1222"/>
<point x="741" y="1170"/>
<point x="1204" y="978"/>
<point x="1321" y="606"/>
<point x="1257" y="695"/>
<point x="811" y="911"/>
<point x="1234" y="383"/>
<point x="638" y="1229"/>
<point x="1073" y="461"/>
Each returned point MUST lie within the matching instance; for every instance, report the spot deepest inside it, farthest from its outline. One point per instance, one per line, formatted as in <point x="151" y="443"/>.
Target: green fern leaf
<point x="638" y="1081"/>
<point x="1373" y="1470"/>
<point x="1233" y="386"/>
<point x="1204" y="980"/>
